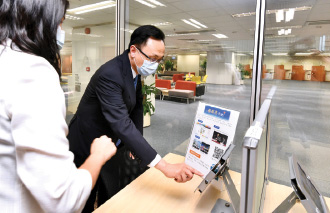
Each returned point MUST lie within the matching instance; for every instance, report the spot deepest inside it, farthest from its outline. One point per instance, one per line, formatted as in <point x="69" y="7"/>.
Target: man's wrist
<point x="155" y="161"/>
<point x="161" y="165"/>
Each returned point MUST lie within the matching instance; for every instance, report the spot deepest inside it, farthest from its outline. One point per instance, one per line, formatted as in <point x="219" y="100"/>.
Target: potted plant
<point x="203" y="65"/>
<point x="169" y="65"/>
<point x="244" y="73"/>
<point x="148" y="107"/>
<point x="160" y="68"/>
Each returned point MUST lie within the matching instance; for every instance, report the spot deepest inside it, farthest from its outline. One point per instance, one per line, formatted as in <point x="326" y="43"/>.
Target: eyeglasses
<point x="152" y="60"/>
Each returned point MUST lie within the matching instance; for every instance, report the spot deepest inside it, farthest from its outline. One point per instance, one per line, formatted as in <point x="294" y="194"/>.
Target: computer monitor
<point x="305" y="189"/>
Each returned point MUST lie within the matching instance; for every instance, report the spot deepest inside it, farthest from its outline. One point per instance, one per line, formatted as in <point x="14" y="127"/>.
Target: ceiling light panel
<point x="146" y="3"/>
<point x="287" y="32"/>
<point x="157" y="3"/>
<point x="243" y="15"/>
<point x="303" y="54"/>
<point x="151" y="3"/>
<point x="181" y="34"/>
<point x="279" y="54"/>
<point x="289" y="14"/>
<point x="281" y="32"/>
<point x="278" y="28"/>
<point x="220" y="35"/>
<point x="196" y="41"/>
<point x="240" y="15"/>
<point x="162" y="24"/>
<point x="190" y="23"/>
<point x="75" y="18"/>
<point x="279" y="15"/>
<point x="92" y="7"/>
<point x="198" y="23"/>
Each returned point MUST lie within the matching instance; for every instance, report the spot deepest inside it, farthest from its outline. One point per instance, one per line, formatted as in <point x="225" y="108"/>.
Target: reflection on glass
<point x="297" y="61"/>
<point x="89" y="43"/>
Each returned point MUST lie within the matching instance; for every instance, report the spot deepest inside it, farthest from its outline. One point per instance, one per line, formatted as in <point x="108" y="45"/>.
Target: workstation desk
<point x="153" y="192"/>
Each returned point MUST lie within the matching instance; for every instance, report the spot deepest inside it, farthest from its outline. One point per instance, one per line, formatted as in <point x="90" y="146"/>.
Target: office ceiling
<point x="306" y="27"/>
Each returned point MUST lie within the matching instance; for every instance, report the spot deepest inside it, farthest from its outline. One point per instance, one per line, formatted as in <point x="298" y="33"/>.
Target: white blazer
<point x="37" y="173"/>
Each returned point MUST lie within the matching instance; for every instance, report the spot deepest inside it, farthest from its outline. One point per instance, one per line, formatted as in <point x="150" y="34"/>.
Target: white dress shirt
<point x="158" y="157"/>
<point x="37" y="173"/>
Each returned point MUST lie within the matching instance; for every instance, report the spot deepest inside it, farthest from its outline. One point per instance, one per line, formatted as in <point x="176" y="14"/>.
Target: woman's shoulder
<point x="21" y="63"/>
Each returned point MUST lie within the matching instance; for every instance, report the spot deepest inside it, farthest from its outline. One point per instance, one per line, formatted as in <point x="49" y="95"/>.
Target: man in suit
<point x="112" y="106"/>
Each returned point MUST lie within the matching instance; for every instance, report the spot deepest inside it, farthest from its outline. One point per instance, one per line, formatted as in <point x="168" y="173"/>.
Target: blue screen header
<point x="217" y="112"/>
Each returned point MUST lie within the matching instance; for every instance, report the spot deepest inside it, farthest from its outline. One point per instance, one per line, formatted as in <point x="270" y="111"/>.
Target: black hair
<point x="141" y="34"/>
<point x="32" y="26"/>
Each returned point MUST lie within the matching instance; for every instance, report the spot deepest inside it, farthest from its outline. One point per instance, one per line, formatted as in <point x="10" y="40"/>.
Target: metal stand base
<point x="222" y="206"/>
<point x="287" y="204"/>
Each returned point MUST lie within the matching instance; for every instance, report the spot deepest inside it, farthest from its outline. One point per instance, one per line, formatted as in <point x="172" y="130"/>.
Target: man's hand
<point x="131" y="155"/>
<point x="181" y="172"/>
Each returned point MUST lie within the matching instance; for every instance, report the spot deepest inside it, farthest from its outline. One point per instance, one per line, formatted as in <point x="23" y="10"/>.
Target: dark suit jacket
<point x="111" y="106"/>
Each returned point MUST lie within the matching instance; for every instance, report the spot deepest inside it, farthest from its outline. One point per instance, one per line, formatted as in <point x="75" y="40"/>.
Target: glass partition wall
<point x="297" y="50"/>
<point x="216" y="38"/>
<point x="89" y="42"/>
<point x="204" y="38"/>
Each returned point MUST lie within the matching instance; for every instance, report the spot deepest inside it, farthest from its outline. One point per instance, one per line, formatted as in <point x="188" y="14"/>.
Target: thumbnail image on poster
<point x="196" y="144"/>
<point x="205" y="148"/>
<point x="212" y="132"/>
<point x="219" y="138"/>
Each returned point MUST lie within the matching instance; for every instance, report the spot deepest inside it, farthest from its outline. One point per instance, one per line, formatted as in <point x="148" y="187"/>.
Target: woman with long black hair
<point x="37" y="173"/>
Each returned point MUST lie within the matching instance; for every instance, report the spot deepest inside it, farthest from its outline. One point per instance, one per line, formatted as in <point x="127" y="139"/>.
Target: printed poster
<point x="213" y="131"/>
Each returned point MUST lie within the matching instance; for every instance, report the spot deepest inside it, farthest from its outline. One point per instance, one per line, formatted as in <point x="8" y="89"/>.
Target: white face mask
<point x="60" y="37"/>
<point x="147" y="68"/>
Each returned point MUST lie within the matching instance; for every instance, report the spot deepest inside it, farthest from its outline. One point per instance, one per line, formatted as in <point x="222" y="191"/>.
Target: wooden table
<point x="153" y="192"/>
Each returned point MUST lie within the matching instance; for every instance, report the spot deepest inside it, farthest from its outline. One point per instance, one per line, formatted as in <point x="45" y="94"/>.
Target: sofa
<point x="177" y="77"/>
<point x="162" y="87"/>
<point x="162" y="84"/>
<point x="171" y="73"/>
<point x="187" y="90"/>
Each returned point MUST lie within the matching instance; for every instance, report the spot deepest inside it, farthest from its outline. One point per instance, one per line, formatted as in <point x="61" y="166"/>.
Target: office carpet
<point x="300" y="113"/>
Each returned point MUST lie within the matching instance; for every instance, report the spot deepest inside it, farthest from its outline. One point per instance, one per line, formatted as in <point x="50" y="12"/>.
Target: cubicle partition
<point x="255" y="160"/>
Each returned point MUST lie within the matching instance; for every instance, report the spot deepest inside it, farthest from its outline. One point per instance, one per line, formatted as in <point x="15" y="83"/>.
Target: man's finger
<point x="194" y="171"/>
<point x="189" y="174"/>
<point x="178" y="179"/>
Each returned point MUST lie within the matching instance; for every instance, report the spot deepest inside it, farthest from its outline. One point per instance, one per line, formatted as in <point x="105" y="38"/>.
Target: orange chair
<point x="247" y="68"/>
<point x="318" y="73"/>
<point x="177" y="77"/>
<point x="160" y="83"/>
<point x="162" y="87"/>
<point x="187" y="85"/>
<point x="298" y="73"/>
<point x="279" y="72"/>
<point x="264" y="71"/>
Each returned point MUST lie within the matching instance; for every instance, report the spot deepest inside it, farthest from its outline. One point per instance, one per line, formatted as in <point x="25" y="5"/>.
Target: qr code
<point x="217" y="153"/>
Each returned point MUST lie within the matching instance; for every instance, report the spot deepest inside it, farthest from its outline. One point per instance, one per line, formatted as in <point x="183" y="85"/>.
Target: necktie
<point x="135" y="83"/>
